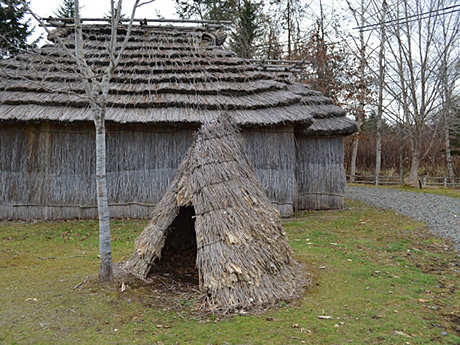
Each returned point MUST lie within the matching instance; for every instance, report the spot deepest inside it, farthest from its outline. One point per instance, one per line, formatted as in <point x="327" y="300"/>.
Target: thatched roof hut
<point x="170" y="80"/>
<point x="242" y="252"/>
<point x="167" y="76"/>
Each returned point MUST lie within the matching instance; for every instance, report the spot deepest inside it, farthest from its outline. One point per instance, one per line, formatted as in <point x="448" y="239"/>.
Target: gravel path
<point x="441" y="214"/>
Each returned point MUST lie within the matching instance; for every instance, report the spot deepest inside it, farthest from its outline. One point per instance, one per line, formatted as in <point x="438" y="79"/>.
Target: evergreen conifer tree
<point x="247" y="30"/>
<point x="14" y="30"/>
<point x="206" y="9"/>
<point x="66" y="10"/>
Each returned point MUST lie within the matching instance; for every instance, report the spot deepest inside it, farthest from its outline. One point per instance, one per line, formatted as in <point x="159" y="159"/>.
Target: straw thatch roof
<point x="243" y="256"/>
<point x="326" y="120"/>
<point x="167" y="75"/>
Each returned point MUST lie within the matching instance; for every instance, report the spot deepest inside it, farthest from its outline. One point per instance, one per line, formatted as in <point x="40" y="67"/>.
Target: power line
<point x="418" y="16"/>
<point x="408" y="17"/>
<point x="416" y="19"/>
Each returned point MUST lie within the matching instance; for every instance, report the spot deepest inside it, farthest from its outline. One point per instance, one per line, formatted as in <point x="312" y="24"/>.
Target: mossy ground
<point x="379" y="278"/>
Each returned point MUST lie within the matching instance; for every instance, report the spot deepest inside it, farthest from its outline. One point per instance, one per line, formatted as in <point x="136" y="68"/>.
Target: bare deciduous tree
<point x="361" y="47"/>
<point x="414" y="68"/>
<point x="381" y="84"/>
<point x="96" y="86"/>
<point x="449" y="73"/>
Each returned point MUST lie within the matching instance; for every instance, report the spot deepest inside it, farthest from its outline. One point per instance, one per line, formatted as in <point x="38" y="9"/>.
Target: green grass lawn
<point x="378" y="279"/>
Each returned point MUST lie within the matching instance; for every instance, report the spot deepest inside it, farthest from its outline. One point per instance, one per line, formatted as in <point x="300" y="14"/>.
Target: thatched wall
<point x="47" y="169"/>
<point x="319" y="173"/>
<point x="272" y="151"/>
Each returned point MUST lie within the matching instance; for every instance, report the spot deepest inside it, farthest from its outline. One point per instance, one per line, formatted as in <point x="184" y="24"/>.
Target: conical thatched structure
<point x="243" y="256"/>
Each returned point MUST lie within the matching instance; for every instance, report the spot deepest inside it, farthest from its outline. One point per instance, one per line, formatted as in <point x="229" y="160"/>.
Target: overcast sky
<point x="165" y="8"/>
<point x="98" y="8"/>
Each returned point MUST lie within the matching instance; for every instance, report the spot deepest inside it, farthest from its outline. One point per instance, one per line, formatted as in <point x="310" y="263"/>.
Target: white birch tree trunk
<point x="354" y="155"/>
<point x="105" y="250"/>
<point x="450" y="166"/>
<point x="96" y="88"/>
<point x="97" y="92"/>
<point x="378" y="150"/>
<point x="401" y="159"/>
<point x="415" y="165"/>
<point x="360" y="112"/>
<point x="98" y="101"/>
<point x="378" y="144"/>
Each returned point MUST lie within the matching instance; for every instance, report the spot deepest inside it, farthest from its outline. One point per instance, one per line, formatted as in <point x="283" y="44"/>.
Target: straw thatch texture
<point x="243" y="256"/>
<point x="327" y="118"/>
<point x="167" y="75"/>
<point x="337" y="126"/>
<point x="272" y="151"/>
<point x="319" y="173"/>
<point x="169" y="81"/>
<point x="319" y="170"/>
<point x="47" y="169"/>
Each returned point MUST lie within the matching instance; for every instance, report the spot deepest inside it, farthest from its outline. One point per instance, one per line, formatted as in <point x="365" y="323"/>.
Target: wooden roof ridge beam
<point x="216" y="24"/>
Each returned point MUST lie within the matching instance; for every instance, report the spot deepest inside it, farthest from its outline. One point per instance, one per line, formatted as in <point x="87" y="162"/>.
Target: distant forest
<point x="396" y="152"/>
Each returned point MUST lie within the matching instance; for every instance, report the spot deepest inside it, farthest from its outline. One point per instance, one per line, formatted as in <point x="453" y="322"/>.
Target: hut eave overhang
<point x="295" y="114"/>
<point x="338" y="126"/>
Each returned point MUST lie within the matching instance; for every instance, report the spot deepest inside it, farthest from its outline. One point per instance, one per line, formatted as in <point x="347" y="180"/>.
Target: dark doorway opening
<point x="178" y="256"/>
